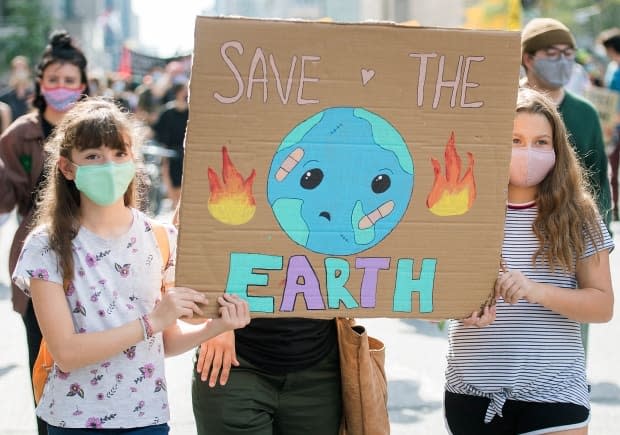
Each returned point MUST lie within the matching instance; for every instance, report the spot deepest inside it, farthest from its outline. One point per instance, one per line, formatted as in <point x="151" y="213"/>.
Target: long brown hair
<point x="90" y="123"/>
<point x="566" y="210"/>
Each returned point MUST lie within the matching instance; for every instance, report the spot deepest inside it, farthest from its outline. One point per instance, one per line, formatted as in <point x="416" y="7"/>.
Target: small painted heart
<point x="367" y="75"/>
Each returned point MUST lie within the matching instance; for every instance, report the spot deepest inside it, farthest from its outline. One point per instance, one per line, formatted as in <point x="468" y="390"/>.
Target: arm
<point x="13" y="176"/>
<point x="69" y="349"/>
<point x="592" y="302"/>
<point x="5" y="116"/>
<point x="72" y="350"/>
<point x="482" y="318"/>
<point x="181" y="336"/>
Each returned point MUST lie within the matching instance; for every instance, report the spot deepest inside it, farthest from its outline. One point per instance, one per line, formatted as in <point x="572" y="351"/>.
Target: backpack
<point x="44" y="363"/>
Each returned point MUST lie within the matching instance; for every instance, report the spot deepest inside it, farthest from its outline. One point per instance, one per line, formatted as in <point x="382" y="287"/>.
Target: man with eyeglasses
<point x="548" y="57"/>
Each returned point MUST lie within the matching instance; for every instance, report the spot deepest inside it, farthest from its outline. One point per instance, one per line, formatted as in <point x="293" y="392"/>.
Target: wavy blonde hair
<point x="90" y="123"/>
<point x="567" y="215"/>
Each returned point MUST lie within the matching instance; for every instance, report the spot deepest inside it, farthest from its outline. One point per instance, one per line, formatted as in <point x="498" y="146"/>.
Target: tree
<point x="27" y="25"/>
<point x="585" y="18"/>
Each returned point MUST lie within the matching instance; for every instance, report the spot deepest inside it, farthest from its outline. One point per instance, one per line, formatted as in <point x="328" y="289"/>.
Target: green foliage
<point x="27" y="25"/>
<point x="585" y="18"/>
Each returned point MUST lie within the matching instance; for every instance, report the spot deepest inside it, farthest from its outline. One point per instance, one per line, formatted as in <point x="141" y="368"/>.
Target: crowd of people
<point x="158" y="100"/>
<point x="88" y="269"/>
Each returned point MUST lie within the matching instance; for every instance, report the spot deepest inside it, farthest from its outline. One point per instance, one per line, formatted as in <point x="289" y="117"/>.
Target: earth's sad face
<point x="340" y="181"/>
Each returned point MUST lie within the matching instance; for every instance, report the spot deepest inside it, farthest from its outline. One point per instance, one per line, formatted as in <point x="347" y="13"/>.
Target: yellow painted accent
<point x="232" y="210"/>
<point x="451" y="204"/>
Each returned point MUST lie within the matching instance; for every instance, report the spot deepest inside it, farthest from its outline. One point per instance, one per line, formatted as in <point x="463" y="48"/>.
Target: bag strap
<point x="46" y="356"/>
<point x="159" y="231"/>
<point x="162" y="240"/>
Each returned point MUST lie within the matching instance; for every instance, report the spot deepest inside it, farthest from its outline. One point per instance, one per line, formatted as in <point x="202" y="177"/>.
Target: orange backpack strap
<point x="164" y="245"/>
<point x="40" y="371"/>
<point x="43" y="364"/>
<point x="162" y="241"/>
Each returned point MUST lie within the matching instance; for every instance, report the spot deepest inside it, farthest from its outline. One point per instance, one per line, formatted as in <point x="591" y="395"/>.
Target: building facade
<point x="100" y="26"/>
<point x="444" y="13"/>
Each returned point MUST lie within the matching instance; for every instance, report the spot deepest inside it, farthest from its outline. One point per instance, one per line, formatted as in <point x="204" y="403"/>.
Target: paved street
<point x="415" y="365"/>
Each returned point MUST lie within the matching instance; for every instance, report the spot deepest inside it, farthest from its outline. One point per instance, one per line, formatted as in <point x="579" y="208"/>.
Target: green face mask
<point x="104" y="184"/>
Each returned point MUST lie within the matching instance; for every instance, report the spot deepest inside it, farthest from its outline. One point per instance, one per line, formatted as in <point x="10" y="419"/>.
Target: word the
<point x="460" y="79"/>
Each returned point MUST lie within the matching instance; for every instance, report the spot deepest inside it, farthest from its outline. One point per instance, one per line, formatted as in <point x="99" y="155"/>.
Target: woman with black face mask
<point x="60" y="82"/>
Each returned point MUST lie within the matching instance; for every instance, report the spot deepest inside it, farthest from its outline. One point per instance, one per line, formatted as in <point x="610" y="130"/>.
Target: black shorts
<point x="465" y="415"/>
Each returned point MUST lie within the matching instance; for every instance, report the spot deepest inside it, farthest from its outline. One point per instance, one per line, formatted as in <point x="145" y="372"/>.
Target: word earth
<point x="302" y="280"/>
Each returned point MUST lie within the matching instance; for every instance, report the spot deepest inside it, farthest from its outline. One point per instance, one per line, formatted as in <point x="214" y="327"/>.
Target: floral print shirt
<point x="116" y="281"/>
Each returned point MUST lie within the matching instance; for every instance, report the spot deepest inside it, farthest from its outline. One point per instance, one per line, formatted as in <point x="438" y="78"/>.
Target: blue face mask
<point x="555" y="72"/>
<point x="104" y="184"/>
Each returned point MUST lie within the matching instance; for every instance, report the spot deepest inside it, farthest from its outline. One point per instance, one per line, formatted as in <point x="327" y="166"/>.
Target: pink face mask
<point x="528" y="166"/>
<point x="61" y="99"/>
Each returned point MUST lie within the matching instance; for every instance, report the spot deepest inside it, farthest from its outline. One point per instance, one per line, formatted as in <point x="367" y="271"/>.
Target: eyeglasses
<point x="553" y="53"/>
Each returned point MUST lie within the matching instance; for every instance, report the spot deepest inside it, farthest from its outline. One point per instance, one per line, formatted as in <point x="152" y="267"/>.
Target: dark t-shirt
<point x="47" y="128"/>
<point x="47" y="131"/>
<point x="170" y="128"/>
<point x="19" y="106"/>
<point x="285" y="345"/>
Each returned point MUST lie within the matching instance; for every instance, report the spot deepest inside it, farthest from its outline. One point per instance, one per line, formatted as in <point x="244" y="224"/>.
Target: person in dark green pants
<point x="276" y="377"/>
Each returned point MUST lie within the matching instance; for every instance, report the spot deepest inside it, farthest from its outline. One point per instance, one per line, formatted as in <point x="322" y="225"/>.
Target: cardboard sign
<point x="606" y="103"/>
<point x="347" y="169"/>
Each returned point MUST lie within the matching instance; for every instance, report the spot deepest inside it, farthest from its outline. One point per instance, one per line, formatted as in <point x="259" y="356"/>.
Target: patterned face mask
<point x="61" y="99"/>
<point x="528" y="166"/>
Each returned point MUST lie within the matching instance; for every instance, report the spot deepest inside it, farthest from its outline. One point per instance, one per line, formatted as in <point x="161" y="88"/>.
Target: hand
<point x="512" y="285"/>
<point x="234" y="313"/>
<point x="177" y="302"/>
<point x="481" y="320"/>
<point x="215" y="358"/>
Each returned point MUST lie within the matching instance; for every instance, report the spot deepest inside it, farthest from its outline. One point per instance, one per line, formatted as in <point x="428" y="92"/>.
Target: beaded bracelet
<point x="147" y="328"/>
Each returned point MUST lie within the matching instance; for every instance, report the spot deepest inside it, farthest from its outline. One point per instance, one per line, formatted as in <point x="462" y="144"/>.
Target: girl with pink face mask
<point x="519" y="366"/>
<point x="60" y="81"/>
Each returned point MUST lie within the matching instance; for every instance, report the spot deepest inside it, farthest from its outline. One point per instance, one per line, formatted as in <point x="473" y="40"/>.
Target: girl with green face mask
<point x="104" y="183"/>
<point x="94" y="269"/>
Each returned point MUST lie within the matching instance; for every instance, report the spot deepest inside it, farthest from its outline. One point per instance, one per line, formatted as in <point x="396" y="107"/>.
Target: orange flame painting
<point x="452" y="195"/>
<point x="230" y="200"/>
